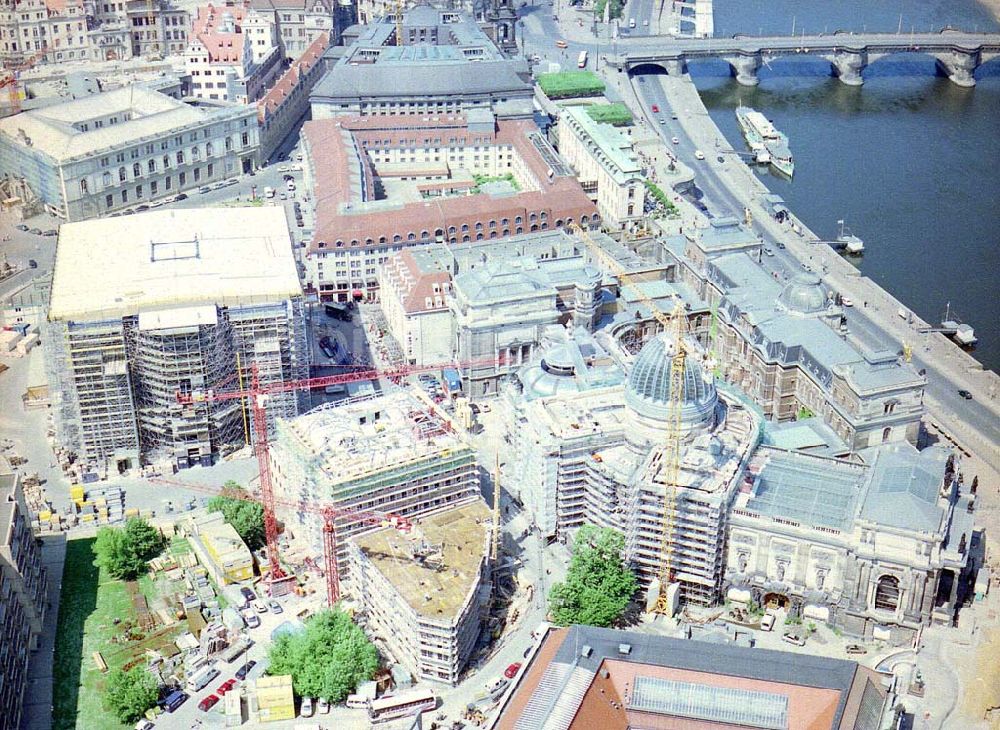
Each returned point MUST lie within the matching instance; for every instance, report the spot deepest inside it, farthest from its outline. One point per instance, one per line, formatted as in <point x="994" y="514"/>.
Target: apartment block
<point x="107" y="152"/>
<point x="192" y="300"/>
<point x="228" y="54"/>
<point x="22" y="596"/>
<point x="605" y="163"/>
<point x="424" y="592"/>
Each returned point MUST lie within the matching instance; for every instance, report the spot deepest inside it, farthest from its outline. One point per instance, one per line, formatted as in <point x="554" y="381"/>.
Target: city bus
<point x="404" y="704"/>
<point x="582" y="60"/>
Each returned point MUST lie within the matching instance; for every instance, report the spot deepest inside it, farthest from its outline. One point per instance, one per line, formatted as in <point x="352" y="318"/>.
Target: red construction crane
<point x="11" y="80"/>
<point x="257" y="394"/>
<point x="329" y="513"/>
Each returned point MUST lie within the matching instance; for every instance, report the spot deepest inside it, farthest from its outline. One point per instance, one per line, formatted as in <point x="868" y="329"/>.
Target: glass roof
<point x="732" y="705"/>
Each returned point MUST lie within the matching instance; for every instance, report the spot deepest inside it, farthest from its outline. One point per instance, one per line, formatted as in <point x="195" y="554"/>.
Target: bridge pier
<point x="960" y="66"/>
<point x="745" y="67"/>
<point x="676" y="67"/>
<point x="848" y="66"/>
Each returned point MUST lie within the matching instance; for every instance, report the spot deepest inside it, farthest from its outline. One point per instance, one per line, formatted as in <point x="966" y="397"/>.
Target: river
<point x="909" y="160"/>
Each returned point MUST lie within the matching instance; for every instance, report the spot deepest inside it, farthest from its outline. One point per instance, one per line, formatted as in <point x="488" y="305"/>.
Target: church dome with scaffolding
<point x="647" y="392"/>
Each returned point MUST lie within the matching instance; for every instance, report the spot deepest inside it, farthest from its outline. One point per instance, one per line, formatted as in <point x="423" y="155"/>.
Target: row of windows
<point x="154" y="187"/>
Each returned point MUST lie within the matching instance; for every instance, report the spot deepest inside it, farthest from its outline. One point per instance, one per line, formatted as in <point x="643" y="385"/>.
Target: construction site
<point x="425" y="592"/>
<point x="368" y="458"/>
<point x="201" y="307"/>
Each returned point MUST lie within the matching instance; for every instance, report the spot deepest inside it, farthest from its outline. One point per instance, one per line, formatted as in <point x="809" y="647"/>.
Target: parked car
<point x="847" y="302"/>
<point x="307" y="707"/>
<point x="793" y="639"/>
<point x="21" y="227"/>
<point x="322" y="706"/>
<point x="561" y="44"/>
<point x="965" y="394"/>
<point x="141" y="208"/>
<point x="699" y="155"/>
<point x="144" y="724"/>
<point x="32" y="264"/>
<point x="225" y="687"/>
<point x="511" y="671"/>
<point x="243" y="671"/>
<point x="259" y="607"/>
<point x="204" y="189"/>
<point x="655" y="108"/>
<point x="36" y="231"/>
<point x="247" y="594"/>
<point x="274" y="606"/>
<point x="51" y="232"/>
<point x="767" y="622"/>
<point x="674" y="140"/>
<point x="856" y="649"/>
<point x="174" y="700"/>
<point x="252" y="619"/>
<point x="180" y="196"/>
<point x="781" y="245"/>
<point x="208" y="703"/>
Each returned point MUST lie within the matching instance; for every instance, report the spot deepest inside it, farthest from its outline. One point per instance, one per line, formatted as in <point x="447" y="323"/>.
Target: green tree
<point x="616" y="9"/>
<point x="598" y="585"/>
<point x="244" y="514"/>
<point x="326" y="660"/>
<point x="129" y="694"/>
<point x="125" y="551"/>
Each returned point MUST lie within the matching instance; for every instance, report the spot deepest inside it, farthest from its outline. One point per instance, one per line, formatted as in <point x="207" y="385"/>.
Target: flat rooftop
<point x="436" y="565"/>
<point x="172" y="259"/>
<point x="359" y="438"/>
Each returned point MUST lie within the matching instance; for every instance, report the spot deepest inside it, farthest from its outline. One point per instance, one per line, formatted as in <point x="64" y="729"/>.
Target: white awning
<point x="819" y="613"/>
<point x="738" y="595"/>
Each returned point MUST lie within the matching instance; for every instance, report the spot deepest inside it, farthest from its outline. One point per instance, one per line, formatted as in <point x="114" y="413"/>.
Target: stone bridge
<point x="957" y="53"/>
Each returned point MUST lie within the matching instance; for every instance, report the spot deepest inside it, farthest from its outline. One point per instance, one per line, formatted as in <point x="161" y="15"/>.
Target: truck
<point x="337" y="310"/>
<point x="452" y="381"/>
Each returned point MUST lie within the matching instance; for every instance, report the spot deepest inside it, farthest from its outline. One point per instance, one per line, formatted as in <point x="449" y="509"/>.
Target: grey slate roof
<point x="904" y="487"/>
<point x="419" y="79"/>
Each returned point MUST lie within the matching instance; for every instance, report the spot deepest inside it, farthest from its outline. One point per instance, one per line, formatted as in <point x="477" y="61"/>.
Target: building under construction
<point x="386" y="453"/>
<point x="425" y="592"/>
<point x="589" y="448"/>
<point x="184" y="301"/>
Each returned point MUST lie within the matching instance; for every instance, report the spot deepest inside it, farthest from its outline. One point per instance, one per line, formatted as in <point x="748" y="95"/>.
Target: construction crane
<point x="399" y="22"/>
<point x="257" y="395"/>
<point x="328" y="512"/>
<point x="675" y="325"/>
<point x="12" y="84"/>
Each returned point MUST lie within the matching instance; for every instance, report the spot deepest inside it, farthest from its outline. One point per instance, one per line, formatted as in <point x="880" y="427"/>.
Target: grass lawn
<point x="616" y="114"/>
<point x="569" y="84"/>
<point x="88" y="603"/>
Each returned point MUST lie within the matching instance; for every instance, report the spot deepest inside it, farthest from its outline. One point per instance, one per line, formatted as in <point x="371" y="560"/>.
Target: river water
<point x="909" y="160"/>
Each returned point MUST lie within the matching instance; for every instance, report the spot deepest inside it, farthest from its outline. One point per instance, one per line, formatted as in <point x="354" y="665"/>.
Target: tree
<point x="244" y="514"/>
<point x="598" y="585"/>
<point x="125" y="551"/>
<point x="129" y="694"/>
<point x="326" y="660"/>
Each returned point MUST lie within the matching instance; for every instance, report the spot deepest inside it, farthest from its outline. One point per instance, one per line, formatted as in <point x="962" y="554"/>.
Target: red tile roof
<point x="221" y="47"/>
<point x="333" y="159"/>
<point x="282" y="89"/>
<point x="416" y="286"/>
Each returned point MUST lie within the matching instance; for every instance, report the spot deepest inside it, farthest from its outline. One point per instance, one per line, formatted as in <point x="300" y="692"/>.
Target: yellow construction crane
<point x="495" y="544"/>
<point x="675" y="325"/>
<point x="399" y="22"/>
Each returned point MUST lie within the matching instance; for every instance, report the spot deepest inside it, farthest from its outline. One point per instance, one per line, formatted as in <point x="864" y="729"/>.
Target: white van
<point x="269" y="192"/>
<point x="767" y="622"/>
<point x="200" y="679"/>
<point x="631" y="22"/>
<point x="357" y="702"/>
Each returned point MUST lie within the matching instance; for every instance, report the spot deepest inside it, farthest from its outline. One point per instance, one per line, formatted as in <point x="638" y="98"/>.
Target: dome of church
<point x="647" y="392"/>
<point x="804" y="294"/>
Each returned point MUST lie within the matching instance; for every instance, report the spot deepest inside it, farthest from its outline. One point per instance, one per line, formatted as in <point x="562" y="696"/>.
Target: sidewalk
<point x="37" y="711"/>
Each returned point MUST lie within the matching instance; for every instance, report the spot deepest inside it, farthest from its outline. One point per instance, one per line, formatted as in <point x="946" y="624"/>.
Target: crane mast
<point x="675" y="327"/>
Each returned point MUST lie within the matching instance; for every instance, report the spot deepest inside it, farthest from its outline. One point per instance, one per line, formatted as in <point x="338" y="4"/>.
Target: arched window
<point x="887" y="593"/>
<point x="106" y="179"/>
<point x="479" y="226"/>
<point x="544" y="216"/>
<point x="439" y="232"/>
<point x="479" y="236"/>
<point x="465" y="228"/>
<point x="180" y="157"/>
<point x="518" y="221"/>
<point x="208" y="149"/>
<point x="83" y="186"/>
<point x="151" y="166"/>
<point x="451" y="230"/>
<point x="465" y="239"/>
<point x="397" y="238"/>
<point x="532" y="217"/>
<point x="504" y="222"/>
<point x="382" y="239"/>
<point x="886" y="433"/>
<point x="194" y="153"/>
<point x="424" y="235"/>
<point x="166" y="160"/>
<point x="121" y="174"/>
<point x="411" y="236"/>
<point x="534" y="227"/>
